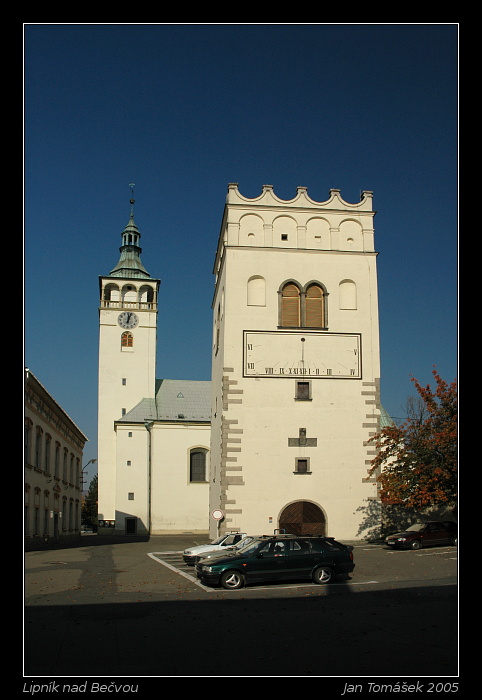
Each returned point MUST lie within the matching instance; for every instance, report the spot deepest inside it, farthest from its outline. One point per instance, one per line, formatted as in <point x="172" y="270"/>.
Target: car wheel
<point x="323" y="574"/>
<point x="415" y="544"/>
<point x="232" y="580"/>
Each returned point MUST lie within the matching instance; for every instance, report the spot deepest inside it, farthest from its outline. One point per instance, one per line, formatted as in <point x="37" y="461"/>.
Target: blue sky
<point x="181" y="110"/>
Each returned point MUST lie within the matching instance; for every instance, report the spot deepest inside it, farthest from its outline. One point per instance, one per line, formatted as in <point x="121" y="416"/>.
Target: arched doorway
<point x="302" y="518"/>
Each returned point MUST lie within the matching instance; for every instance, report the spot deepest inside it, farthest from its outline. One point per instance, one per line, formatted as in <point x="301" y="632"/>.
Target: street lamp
<point x="91" y="461"/>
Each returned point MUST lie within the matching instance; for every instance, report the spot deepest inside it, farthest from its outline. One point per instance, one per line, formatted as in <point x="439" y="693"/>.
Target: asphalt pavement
<point x="108" y="609"/>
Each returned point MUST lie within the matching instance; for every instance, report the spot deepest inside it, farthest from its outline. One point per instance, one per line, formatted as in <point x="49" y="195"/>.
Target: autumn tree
<point x="416" y="462"/>
<point x="89" y="506"/>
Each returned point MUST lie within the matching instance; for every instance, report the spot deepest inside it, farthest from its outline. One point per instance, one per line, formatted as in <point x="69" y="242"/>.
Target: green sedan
<point x="279" y="558"/>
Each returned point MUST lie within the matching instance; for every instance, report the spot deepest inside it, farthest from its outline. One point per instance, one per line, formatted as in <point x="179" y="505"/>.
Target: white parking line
<point x="424" y="553"/>
<point x="154" y="556"/>
<point x="432" y="554"/>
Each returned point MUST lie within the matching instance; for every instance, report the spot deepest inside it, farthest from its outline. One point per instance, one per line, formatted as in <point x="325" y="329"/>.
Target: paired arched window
<point x="314" y="307"/>
<point x="303" y="307"/>
<point x="290" y="306"/>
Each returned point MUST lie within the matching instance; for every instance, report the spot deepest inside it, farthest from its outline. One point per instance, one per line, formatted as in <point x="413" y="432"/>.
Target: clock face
<point x="127" y="319"/>
<point x="313" y="355"/>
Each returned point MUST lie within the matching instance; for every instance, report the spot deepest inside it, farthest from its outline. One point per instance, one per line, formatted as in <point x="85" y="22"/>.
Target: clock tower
<point x="296" y="366"/>
<point x="127" y="360"/>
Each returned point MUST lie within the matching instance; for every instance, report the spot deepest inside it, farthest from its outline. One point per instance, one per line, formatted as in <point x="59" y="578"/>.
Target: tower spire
<point x="130" y="264"/>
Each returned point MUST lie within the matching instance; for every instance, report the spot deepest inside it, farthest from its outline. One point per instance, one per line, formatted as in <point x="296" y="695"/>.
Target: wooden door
<point x="302" y="518"/>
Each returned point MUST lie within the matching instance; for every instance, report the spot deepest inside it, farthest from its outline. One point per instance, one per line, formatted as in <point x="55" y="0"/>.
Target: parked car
<point x="227" y="540"/>
<point x="216" y="553"/>
<point x="424" y="535"/>
<point x="276" y="558"/>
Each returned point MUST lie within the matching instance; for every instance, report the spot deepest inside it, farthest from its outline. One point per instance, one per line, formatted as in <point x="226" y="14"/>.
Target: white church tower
<point x="127" y="365"/>
<point x="296" y="365"/>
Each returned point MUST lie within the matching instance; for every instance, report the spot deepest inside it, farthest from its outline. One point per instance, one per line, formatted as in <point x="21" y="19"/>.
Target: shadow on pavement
<point x="410" y="631"/>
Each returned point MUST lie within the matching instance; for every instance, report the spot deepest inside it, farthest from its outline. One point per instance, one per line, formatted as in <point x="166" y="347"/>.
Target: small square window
<point x="128" y="462"/>
<point x="302" y="466"/>
<point x="303" y="391"/>
<point x="284" y="236"/>
<point x="130" y="496"/>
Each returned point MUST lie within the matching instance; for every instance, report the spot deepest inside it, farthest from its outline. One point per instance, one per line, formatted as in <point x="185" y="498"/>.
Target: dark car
<point x="424" y="535"/>
<point x="277" y="558"/>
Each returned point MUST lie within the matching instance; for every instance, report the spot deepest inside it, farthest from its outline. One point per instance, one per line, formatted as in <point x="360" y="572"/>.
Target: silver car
<point x="225" y="551"/>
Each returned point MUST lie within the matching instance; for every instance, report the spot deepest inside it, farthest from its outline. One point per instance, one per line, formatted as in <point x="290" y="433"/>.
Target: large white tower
<point x="127" y="363"/>
<point x="296" y="365"/>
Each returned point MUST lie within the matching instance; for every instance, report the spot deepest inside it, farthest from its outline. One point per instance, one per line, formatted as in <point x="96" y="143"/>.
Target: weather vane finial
<point x="132" y="200"/>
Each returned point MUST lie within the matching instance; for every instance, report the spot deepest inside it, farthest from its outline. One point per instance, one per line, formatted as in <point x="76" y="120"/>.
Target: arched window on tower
<point x="348" y="295"/>
<point x="290" y="306"/>
<point x="129" y="293"/>
<point x="146" y="295"/>
<point x="111" y="294"/>
<point x="127" y="340"/>
<point x="314" y="307"/>
<point x="256" y="291"/>
<point x="302" y="307"/>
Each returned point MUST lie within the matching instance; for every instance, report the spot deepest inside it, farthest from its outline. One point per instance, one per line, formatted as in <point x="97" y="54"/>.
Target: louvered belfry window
<point x="314" y="307"/>
<point x="290" y="306"/>
<point x="303" y="309"/>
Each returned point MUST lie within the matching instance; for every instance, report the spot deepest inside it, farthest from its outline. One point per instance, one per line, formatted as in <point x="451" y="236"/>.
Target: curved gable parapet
<point x="302" y="199"/>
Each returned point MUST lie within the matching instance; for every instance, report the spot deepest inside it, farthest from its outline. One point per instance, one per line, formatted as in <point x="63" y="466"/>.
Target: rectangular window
<point x="130" y="496"/>
<point x="46" y="522"/>
<point x="197" y="471"/>
<point x="302" y="466"/>
<point x="57" y="460"/>
<point x="303" y="391"/>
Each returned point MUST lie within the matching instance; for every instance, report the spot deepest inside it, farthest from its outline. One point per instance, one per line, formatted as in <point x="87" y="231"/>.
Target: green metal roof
<point x="130" y="265"/>
<point x="179" y="400"/>
<point x="385" y="419"/>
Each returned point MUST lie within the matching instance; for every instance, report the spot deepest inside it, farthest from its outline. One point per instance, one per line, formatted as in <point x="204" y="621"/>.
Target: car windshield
<point x="250" y="547"/>
<point x="416" y="527"/>
<point x="219" y="540"/>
